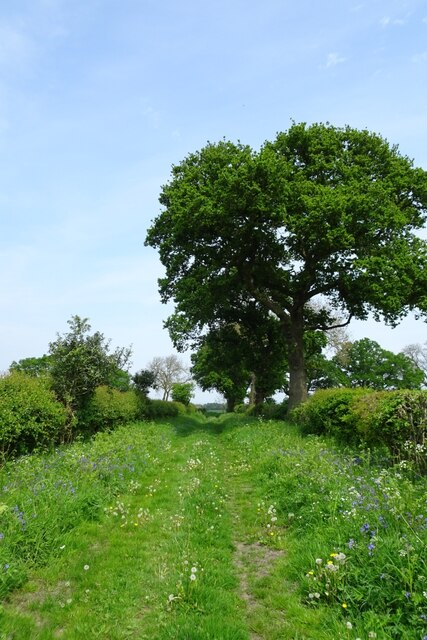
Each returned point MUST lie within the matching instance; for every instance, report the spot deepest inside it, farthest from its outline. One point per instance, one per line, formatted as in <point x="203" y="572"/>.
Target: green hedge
<point x="30" y="416"/>
<point x="163" y="409"/>
<point x="329" y="411"/>
<point x="396" y="420"/>
<point x="109" y="408"/>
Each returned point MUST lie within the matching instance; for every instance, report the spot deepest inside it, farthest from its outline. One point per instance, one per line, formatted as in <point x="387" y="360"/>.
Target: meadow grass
<point x="225" y="528"/>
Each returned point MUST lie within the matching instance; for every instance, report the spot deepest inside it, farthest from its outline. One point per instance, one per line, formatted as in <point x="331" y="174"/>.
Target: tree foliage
<point x="364" y="363"/>
<point x="319" y="211"/>
<point x="34" y="367"/>
<point x="81" y="362"/>
<point x="144" y="380"/>
<point x="182" y="392"/>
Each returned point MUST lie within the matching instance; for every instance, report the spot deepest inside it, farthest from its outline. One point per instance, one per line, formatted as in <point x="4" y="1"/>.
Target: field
<point x="225" y="528"/>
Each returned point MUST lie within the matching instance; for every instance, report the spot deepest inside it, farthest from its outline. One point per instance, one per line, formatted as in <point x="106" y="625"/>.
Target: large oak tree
<point x="319" y="212"/>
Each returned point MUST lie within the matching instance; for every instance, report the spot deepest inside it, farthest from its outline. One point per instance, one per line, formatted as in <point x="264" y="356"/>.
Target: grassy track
<point x="198" y="543"/>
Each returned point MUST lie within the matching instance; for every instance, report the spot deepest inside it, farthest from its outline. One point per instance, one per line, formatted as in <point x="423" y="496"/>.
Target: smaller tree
<point x="34" y="367"/>
<point x="167" y="371"/>
<point x="365" y="363"/>
<point x="417" y="353"/>
<point x="182" y="392"/>
<point x="81" y="362"/>
<point x="144" y="380"/>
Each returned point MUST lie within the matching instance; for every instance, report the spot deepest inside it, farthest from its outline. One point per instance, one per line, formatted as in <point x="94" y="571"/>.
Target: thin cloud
<point x="387" y="21"/>
<point x="333" y="59"/>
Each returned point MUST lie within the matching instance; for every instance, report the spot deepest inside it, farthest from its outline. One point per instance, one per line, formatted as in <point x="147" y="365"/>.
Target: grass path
<point x="199" y="542"/>
<point x="183" y="555"/>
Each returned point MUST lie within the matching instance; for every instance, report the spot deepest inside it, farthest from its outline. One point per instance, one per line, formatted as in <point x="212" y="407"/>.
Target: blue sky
<point x="98" y="98"/>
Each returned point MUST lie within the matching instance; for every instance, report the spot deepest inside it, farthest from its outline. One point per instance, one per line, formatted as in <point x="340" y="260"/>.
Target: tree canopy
<point x="320" y="211"/>
<point x="81" y="361"/>
<point x="364" y="363"/>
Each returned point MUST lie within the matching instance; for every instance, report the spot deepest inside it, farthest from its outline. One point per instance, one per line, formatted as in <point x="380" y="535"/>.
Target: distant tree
<point x="182" y="392"/>
<point x="320" y="211"/>
<point x="34" y="367"/>
<point x="219" y="366"/>
<point x="144" y="380"/>
<point x="364" y="363"/>
<point x="417" y="353"/>
<point x="167" y="371"/>
<point x="81" y="362"/>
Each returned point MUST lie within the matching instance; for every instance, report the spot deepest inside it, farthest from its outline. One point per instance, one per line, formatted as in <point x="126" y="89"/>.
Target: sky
<point x="99" y="98"/>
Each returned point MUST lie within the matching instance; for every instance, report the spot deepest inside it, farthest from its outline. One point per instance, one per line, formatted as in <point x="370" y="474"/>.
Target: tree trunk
<point x="294" y="334"/>
<point x="252" y="390"/>
<point x="231" y="403"/>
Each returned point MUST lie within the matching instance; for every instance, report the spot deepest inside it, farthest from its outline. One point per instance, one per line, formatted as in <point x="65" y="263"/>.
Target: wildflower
<point x="319" y="561"/>
<point x="344" y="605"/>
<point x="193" y="577"/>
<point x="86" y="567"/>
<point x="1" y="536"/>
<point x="193" y="569"/>
<point x="351" y="543"/>
<point x="372" y="634"/>
<point x="349" y="625"/>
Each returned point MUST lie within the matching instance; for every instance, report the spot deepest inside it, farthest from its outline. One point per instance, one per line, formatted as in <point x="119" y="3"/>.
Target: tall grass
<point x="44" y="497"/>
<point x="348" y="533"/>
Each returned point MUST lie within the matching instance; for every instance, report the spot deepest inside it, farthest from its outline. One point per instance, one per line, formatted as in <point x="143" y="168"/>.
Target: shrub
<point x="162" y="409"/>
<point x="30" y="416"/>
<point x="398" y="420"/>
<point x="330" y="411"/>
<point x="182" y="392"/>
<point x="109" y="408"/>
<point x="241" y="408"/>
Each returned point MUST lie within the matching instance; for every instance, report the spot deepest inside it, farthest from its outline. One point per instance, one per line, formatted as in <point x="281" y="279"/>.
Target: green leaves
<point x="320" y="210"/>
<point x="81" y="362"/>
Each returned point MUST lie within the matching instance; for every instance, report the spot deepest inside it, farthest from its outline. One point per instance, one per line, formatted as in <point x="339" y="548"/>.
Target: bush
<point x="330" y="411"/>
<point x="163" y="409"/>
<point x="241" y="408"/>
<point x="182" y="392"/>
<point x="398" y="420"/>
<point x="30" y="416"/>
<point x="109" y="408"/>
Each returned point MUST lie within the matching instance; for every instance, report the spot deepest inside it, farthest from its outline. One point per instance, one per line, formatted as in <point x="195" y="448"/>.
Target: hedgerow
<point x="396" y="420"/>
<point x="109" y="408"/>
<point x="30" y="416"/>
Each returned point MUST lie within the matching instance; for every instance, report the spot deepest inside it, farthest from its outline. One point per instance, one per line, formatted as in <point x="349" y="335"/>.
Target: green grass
<point x="225" y="528"/>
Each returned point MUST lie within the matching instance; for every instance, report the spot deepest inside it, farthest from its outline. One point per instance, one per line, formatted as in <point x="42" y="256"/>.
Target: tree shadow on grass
<point x="187" y="425"/>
